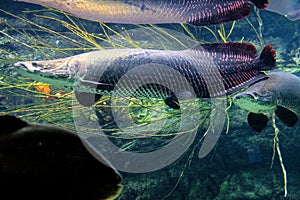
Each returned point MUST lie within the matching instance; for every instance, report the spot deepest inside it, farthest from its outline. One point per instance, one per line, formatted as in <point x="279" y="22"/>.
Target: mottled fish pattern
<point x="195" y="12"/>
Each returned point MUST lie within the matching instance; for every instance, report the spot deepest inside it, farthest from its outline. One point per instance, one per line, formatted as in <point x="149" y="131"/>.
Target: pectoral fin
<point x="286" y="116"/>
<point x="257" y="121"/>
<point x="90" y="98"/>
<point x="86" y="98"/>
<point x="172" y="102"/>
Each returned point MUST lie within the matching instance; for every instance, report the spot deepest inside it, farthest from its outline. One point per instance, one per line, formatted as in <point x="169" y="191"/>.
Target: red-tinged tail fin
<point x="261" y="4"/>
<point x="268" y="58"/>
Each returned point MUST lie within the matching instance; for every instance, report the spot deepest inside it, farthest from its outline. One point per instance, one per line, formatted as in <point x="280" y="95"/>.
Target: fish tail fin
<point x="261" y="4"/>
<point x="268" y="58"/>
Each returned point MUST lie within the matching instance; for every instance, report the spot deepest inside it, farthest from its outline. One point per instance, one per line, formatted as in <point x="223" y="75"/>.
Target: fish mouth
<point x="249" y="98"/>
<point x="245" y="95"/>
<point x="35" y="68"/>
<point x="35" y="72"/>
<point x="254" y="103"/>
<point x="254" y="96"/>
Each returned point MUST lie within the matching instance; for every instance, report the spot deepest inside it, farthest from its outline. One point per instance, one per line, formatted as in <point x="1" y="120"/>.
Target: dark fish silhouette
<point x="278" y="93"/>
<point x="121" y="71"/>
<point x="200" y="12"/>
<point x="47" y="162"/>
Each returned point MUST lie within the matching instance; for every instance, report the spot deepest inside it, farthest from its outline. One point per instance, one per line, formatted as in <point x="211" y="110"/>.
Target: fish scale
<point x="185" y="67"/>
<point x="153" y="90"/>
<point x="209" y="70"/>
<point x="195" y="12"/>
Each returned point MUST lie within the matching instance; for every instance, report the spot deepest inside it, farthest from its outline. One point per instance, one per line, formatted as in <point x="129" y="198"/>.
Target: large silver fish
<point x="200" y="12"/>
<point x="278" y="93"/>
<point x="47" y="162"/>
<point x="120" y="71"/>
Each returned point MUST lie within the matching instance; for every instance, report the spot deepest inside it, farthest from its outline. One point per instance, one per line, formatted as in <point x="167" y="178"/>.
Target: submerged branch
<point x="276" y="146"/>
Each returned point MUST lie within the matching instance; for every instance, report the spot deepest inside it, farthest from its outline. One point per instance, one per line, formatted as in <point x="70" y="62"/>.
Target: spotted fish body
<point x="209" y="70"/>
<point x="196" y="12"/>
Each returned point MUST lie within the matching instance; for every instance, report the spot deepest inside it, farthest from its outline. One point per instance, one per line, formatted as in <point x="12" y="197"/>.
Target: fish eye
<point x="264" y="93"/>
<point x="266" y="99"/>
<point x="261" y="93"/>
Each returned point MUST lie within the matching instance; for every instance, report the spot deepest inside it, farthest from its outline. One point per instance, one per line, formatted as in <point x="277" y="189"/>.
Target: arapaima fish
<point x="199" y="12"/>
<point x="144" y="73"/>
<point x="278" y="93"/>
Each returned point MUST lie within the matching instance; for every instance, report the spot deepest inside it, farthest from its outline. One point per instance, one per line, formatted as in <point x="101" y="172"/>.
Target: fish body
<point x="200" y="12"/>
<point x="47" y="162"/>
<point x="194" y="70"/>
<point x="278" y="93"/>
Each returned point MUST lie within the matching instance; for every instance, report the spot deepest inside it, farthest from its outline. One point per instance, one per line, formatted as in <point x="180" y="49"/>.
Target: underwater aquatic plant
<point x="58" y="102"/>
<point x="70" y="36"/>
<point x="76" y="37"/>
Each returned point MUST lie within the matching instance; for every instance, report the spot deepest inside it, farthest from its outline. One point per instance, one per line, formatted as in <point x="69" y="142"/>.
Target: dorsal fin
<point x="10" y="124"/>
<point x="233" y="49"/>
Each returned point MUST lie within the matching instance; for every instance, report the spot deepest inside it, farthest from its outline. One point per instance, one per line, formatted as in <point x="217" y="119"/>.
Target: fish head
<point x="59" y="72"/>
<point x="59" y="67"/>
<point x="256" y="101"/>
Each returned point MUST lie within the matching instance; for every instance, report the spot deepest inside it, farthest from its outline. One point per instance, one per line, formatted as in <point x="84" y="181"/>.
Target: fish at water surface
<point x="200" y="12"/>
<point x="209" y="70"/>
<point x="278" y="93"/>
